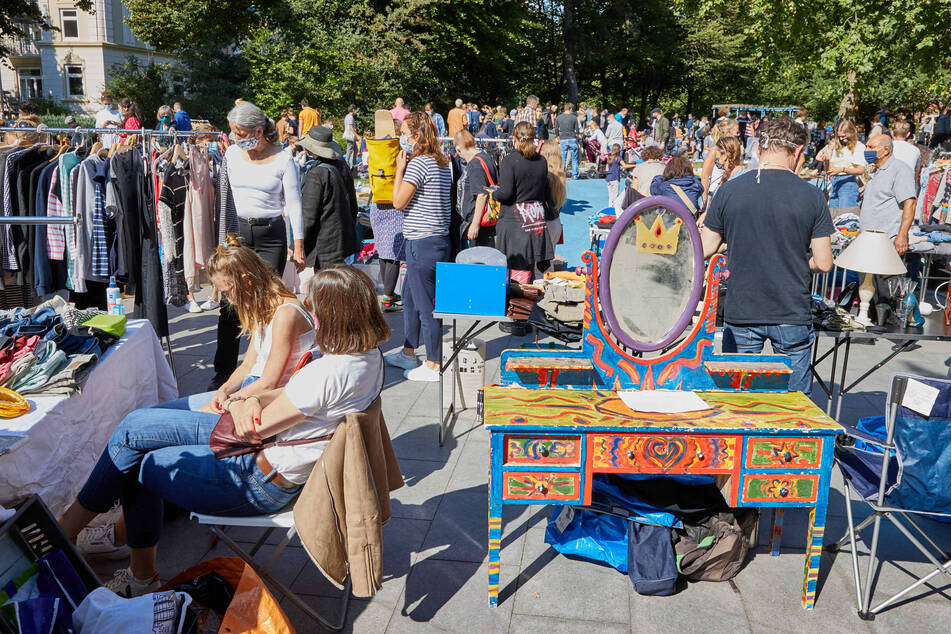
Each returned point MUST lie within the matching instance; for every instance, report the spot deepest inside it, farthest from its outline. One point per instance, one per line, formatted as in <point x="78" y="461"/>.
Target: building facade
<point x="71" y="65"/>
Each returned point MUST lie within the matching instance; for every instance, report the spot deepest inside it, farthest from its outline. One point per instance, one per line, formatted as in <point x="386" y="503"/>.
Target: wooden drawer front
<point x="522" y="485"/>
<point x="664" y="454"/>
<point x="562" y="450"/>
<point x="779" y="487"/>
<point x="783" y="453"/>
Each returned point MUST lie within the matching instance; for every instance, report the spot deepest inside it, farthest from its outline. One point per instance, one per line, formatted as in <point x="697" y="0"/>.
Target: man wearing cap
<point x="889" y="202"/>
<point x="328" y="202"/>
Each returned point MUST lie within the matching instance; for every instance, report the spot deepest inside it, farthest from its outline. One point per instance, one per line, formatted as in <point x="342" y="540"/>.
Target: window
<point x="178" y="85"/>
<point x="31" y="83"/>
<point x="69" y="24"/>
<point x="74" y="81"/>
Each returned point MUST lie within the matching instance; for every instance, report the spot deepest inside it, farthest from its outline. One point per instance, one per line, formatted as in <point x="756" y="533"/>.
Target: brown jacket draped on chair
<point x="341" y="510"/>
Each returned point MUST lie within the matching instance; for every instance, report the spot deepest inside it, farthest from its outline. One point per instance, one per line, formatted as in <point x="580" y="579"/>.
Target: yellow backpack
<point x="381" y="165"/>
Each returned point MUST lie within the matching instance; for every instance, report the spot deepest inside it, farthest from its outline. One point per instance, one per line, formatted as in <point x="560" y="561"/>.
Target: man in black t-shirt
<point x="771" y="220"/>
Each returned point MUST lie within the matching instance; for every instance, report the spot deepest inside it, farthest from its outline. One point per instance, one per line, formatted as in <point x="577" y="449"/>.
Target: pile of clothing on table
<point x="846" y="228"/>
<point x="50" y="350"/>
<point x="925" y="237"/>
<point x="553" y="305"/>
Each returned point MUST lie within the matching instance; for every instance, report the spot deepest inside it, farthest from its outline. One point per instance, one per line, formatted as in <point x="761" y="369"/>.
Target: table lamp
<point x="872" y="253"/>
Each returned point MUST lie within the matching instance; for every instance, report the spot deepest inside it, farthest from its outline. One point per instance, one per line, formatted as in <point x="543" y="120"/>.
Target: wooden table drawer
<point x="536" y="485"/>
<point x="535" y="450"/>
<point x="783" y="453"/>
<point x="648" y="453"/>
<point x="780" y="487"/>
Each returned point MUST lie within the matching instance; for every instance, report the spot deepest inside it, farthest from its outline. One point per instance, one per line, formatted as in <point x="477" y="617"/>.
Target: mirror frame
<point x="607" y="256"/>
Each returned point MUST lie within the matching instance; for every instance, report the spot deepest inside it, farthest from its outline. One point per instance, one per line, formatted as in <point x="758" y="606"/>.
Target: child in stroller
<point x="596" y="146"/>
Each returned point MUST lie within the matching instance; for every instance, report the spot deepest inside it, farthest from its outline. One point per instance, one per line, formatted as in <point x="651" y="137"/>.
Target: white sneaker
<point x="422" y="373"/>
<point x="193" y="307"/>
<point x="125" y="584"/>
<point x="109" y="517"/>
<point x="99" y="542"/>
<point x="400" y="360"/>
<point x="210" y="304"/>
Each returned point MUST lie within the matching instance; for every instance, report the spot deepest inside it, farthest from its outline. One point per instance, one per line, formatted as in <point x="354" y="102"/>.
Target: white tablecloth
<point x="66" y="435"/>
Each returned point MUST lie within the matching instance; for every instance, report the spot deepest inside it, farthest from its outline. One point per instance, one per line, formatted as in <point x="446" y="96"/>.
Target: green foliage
<point x="59" y="121"/>
<point x="146" y="85"/>
<point x="684" y="55"/>
<point x="51" y="108"/>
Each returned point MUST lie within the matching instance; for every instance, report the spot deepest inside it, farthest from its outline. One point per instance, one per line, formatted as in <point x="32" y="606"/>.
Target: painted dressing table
<point x="556" y="418"/>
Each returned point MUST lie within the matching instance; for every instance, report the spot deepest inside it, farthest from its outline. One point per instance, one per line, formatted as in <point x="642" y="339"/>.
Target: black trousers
<point x="270" y="242"/>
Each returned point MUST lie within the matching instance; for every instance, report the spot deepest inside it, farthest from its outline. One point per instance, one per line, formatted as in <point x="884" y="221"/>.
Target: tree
<point x="15" y="13"/>
<point x="146" y="85"/>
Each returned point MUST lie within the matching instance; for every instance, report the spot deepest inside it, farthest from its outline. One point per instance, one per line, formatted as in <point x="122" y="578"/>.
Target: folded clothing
<point x="49" y="361"/>
<point x="69" y="379"/>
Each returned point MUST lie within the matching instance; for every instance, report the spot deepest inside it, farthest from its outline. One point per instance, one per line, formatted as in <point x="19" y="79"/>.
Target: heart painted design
<point x="665" y="452"/>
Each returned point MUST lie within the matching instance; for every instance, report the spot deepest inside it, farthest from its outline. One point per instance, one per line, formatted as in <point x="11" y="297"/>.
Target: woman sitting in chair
<point x="157" y="454"/>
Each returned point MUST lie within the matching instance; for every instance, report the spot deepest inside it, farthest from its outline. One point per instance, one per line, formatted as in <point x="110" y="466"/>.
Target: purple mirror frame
<point x="607" y="255"/>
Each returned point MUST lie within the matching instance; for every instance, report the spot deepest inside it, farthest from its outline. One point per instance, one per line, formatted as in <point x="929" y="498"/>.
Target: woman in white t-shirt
<point x="151" y="458"/>
<point x="846" y="157"/>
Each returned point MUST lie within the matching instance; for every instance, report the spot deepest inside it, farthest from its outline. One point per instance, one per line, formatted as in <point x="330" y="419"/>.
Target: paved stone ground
<point x="435" y="544"/>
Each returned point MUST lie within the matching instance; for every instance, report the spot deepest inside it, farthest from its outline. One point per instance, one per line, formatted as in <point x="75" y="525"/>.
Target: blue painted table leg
<point x="776" y="532"/>
<point x="817" y="529"/>
<point x="495" y="523"/>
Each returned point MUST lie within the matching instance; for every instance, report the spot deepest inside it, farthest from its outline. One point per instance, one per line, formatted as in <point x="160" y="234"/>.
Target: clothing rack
<point x="74" y="220"/>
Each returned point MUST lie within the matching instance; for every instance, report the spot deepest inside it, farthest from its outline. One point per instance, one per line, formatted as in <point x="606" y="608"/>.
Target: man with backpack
<point x="328" y="201"/>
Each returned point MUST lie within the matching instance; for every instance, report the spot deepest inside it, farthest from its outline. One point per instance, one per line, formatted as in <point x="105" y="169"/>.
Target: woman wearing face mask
<point x="422" y="191"/>
<point x="845" y="154"/>
<point x="166" y="123"/>
<point x="265" y="187"/>
<point x="131" y="119"/>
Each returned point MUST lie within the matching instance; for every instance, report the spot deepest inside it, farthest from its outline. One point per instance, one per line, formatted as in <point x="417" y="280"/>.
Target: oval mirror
<point x="651" y="273"/>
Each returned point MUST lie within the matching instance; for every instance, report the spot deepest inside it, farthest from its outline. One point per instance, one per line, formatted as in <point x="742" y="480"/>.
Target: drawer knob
<point x="541" y="488"/>
<point x="787" y="456"/>
<point x="544" y="451"/>
<point x="630" y="455"/>
<point x="783" y="492"/>
<point x="699" y="454"/>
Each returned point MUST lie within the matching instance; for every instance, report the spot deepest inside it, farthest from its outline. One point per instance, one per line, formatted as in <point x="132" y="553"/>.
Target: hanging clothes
<point x="199" y="222"/>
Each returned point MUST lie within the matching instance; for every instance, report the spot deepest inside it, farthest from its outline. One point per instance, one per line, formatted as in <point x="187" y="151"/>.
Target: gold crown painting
<point x="658" y="239"/>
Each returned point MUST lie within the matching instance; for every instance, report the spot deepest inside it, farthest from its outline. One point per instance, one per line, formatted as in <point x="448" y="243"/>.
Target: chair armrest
<point x="855" y="432"/>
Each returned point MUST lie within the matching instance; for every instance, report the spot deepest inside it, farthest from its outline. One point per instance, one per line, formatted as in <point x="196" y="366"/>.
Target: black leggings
<point x="270" y="242"/>
<point x="389" y="274"/>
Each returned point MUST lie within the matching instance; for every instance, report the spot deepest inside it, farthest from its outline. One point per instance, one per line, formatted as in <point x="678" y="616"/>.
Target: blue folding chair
<point x="903" y="470"/>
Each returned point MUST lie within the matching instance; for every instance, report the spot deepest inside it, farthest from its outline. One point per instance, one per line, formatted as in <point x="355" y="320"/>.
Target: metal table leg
<point x="843" y="389"/>
<point x="845" y="367"/>
<point x="835" y="360"/>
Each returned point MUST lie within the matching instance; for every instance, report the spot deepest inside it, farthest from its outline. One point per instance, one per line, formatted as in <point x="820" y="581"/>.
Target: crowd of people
<point x="291" y="188"/>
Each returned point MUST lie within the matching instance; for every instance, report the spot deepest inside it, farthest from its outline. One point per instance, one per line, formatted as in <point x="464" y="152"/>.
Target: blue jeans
<point x="419" y="293"/>
<point x="157" y="454"/>
<point x="843" y="192"/>
<point x="793" y="341"/>
<point x="196" y="401"/>
<point x="570" y="147"/>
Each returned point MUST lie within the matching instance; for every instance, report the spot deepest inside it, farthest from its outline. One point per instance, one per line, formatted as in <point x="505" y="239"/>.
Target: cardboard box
<point x="470" y="289"/>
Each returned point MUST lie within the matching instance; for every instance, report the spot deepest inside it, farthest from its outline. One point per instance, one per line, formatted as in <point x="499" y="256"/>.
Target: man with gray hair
<point x="890" y="196"/>
<point x="777" y="227"/>
<point x="527" y="114"/>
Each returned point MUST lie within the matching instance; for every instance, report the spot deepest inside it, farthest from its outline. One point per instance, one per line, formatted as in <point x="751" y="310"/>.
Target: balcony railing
<point x="22" y="46"/>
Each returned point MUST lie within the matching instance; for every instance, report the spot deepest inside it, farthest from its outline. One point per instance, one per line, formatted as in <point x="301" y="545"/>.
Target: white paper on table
<point x="920" y="397"/>
<point x="663" y="401"/>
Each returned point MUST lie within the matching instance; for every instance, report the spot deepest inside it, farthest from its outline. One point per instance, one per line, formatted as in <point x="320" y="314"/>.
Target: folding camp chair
<point x="900" y="471"/>
<point x="283" y="520"/>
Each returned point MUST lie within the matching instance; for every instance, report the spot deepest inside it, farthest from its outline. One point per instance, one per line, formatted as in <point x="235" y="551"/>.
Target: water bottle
<point x="113" y="299"/>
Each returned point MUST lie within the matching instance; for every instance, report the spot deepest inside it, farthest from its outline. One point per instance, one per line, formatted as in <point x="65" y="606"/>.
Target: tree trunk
<point x="689" y="108"/>
<point x="848" y="107"/>
<point x="642" y="111"/>
<point x="568" y="25"/>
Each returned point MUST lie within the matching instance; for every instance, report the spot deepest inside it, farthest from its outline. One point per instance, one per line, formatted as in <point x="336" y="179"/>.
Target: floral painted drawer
<point x="635" y="453"/>
<point x="534" y="450"/>
<point x="783" y="453"/>
<point x="779" y="487"/>
<point x="534" y="485"/>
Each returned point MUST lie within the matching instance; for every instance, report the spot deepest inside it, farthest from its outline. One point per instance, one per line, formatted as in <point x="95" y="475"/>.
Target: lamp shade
<point x="871" y="252"/>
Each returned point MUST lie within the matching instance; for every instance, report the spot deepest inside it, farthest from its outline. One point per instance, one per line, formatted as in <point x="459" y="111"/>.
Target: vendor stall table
<point x="480" y="323"/>
<point x="66" y="435"/>
<point x="934" y="329"/>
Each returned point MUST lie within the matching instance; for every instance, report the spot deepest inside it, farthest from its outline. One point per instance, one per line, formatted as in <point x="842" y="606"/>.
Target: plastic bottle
<point x="113" y="299"/>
